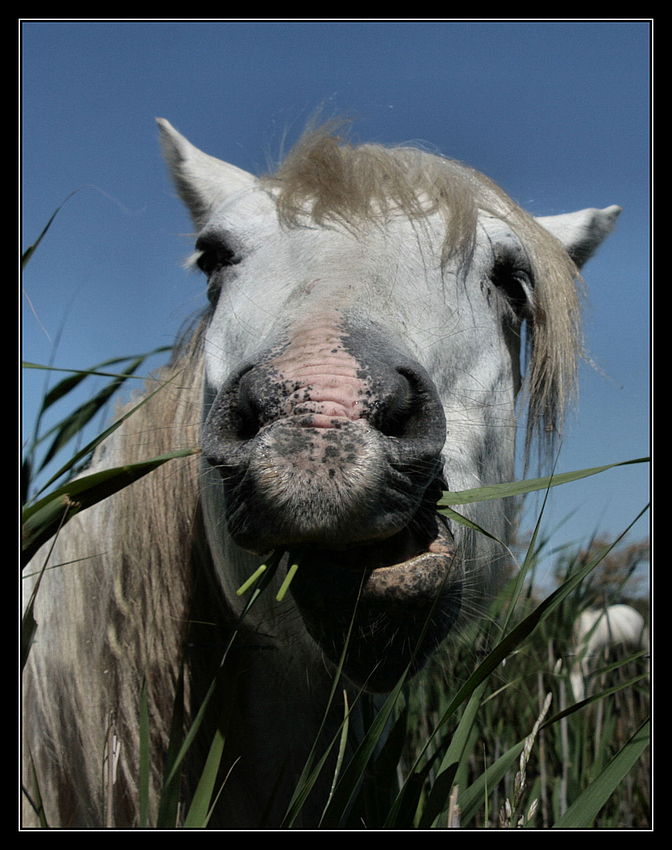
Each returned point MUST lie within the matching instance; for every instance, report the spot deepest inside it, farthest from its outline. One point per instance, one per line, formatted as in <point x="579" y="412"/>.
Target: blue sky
<point x="555" y="112"/>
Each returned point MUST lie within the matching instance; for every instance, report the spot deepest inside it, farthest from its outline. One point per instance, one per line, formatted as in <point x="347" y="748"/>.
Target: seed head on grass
<point x="513" y="813"/>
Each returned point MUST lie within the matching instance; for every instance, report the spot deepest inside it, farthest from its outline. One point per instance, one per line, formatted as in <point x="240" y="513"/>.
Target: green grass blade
<point x="76" y="376"/>
<point x="351" y="777"/>
<point x="341" y="749"/>
<point x="75" y="423"/>
<point x="519" y="488"/>
<point x="309" y="774"/>
<point x="513" y="489"/>
<point x="584" y="810"/>
<point x="454" y="515"/>
<point x="42" y="519"/>
<point x="28" y="622"/>
<point x="35" y="798"/>
<point x="354" y="773"/>
<point x="456" y="751"/>
<point x="28" y="629"/>
<point x="170" y="793"/>
<point x="89" y="448"/>
<point x="172" y="775"/>
<point x="28" y="253"/>
<point x="577" y="706"/>
<point x="199" y="810"/>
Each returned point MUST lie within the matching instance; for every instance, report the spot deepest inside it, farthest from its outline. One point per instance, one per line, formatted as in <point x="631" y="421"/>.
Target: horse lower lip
<point x="419" y="576"/>
<point x="398" y="560"/>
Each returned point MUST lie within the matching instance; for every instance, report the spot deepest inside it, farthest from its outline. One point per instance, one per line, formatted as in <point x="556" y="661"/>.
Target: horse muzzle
<point x="328" y="438"/>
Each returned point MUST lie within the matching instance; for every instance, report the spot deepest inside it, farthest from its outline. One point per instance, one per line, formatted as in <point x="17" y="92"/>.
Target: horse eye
<point x="515" y="284"/>
<point x="214" y="257"/>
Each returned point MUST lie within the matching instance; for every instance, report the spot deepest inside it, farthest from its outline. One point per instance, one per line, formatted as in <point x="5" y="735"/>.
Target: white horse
<point x="361" y="352"/>
<point x="598" y="629"/>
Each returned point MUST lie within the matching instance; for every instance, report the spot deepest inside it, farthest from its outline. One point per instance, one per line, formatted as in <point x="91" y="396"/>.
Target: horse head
<point x="362" y="354"/>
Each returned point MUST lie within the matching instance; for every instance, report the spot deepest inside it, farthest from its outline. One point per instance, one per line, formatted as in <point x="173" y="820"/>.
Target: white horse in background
<point x="361" y="352"/>
<point x="597" y="630"/>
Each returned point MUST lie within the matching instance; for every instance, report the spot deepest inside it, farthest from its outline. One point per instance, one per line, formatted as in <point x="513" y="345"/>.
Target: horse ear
<point x="203" y="182"/>
<point x="582" y="232"/>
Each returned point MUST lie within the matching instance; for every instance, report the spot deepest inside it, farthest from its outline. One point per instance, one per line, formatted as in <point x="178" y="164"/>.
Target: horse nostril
<point x="235" y="414"/>
<point x="411" y="408"/>
<point x="396" y="410"/>
<point x="248" y="410"/>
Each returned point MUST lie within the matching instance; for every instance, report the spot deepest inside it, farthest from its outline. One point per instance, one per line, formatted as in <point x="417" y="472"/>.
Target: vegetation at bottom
<point x="588" y="764"/>
<point x="488" y="735"/>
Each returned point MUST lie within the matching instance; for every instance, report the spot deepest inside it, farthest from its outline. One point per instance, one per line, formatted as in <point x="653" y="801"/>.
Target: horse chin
<point x="390" y="602"/>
